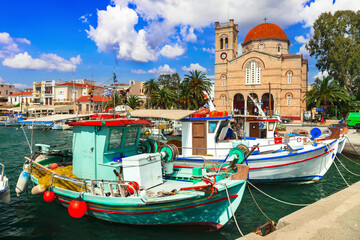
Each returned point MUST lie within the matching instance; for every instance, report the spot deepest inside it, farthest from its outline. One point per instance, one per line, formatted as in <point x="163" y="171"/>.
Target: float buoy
<point x="38" y="189"/>
<point x="132" y="187"/>
<point x="49" y="196"/>
<point x="22" y="182"/>
<point x="77" y="207"/>
<point x="204" y="111"/>
<point x="54" y="166"/>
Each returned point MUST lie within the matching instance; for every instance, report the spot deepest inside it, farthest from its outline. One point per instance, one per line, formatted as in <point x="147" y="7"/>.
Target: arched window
<point x="261" y="47"/>
<point x="221" y="43"/>
<point x="226" y="43"/>
<point x="279" y="49"/>
<point x="289" y="77"/>
<point x="223" y="99"/>
<point x="223" y="78"/>
<point x="288" y="97"/>
<point x="253" y="73"/>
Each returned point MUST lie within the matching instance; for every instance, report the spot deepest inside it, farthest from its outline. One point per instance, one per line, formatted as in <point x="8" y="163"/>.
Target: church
<point x="264" y="71"/>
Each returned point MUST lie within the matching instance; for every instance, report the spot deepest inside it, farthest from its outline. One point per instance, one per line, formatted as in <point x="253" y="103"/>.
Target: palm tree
<point x="325" y="92"/>
<point x="164" y="98"/>
<point x="185" y="96"/>
<point x="197" y="82"/>
<point x="134" y="102"/>
<point x="110" y="103"/>
<point x="150" y="88"/>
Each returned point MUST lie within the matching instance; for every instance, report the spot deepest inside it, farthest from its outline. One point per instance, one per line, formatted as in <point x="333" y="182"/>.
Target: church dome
<point x="266" y="30"/>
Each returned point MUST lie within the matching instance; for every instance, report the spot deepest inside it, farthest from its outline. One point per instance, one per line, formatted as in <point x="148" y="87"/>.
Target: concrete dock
<point x="334" y="217"/>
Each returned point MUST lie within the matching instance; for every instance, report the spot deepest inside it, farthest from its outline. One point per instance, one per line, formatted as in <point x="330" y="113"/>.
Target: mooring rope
<point x="341" y="174"/>
<point x="27" y="140"/>
<point x="237" y="225"/>
<point x="349" y="159"/>
<point x="352" y="146"/>
<point x="258" y="204"/>
<point x="346" y="168"/>
<point x="293" y="204"/>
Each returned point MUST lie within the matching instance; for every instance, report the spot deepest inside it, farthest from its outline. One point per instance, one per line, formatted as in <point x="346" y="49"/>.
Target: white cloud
<point x="2" y="80"/>
<point x="172" y="51"/>
<point x="166" y="69"/>
<point x="320" y="75"/>
<point x="21" y="86"/>
<point x="188" y="34"/>
<point x="50" y="62"/>
<point x="85" y="17"/>
<point x="193" y="67"/>
<point x="303" y="41"/>
<point x="209" y="50"/>
<point x="138" y="71"/>
<point x="9" y="45"/>
<point x="162" y="70"/>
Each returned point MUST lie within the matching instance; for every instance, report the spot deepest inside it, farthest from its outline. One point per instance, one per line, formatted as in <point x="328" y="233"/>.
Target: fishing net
<point x="46" y="180"/>
<point x="211" y="165"/>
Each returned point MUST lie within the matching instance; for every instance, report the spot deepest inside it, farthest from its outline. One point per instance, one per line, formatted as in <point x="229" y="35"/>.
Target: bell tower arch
<point x="226" y="41"/>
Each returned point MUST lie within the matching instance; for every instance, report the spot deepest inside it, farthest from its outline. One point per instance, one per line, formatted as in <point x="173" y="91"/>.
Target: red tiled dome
<point x="266" y="30"/>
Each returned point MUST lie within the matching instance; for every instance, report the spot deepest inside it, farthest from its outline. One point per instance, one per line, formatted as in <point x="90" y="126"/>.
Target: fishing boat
<point x="115" y="176"/>
<point x="300" y="159"/>
<point x="4" y="185"/>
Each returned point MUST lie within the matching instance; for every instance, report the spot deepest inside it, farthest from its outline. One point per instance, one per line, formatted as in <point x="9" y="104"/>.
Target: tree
<point x="336" y="46"/>
<point x="170" y="81"/>
<point x="150" y="88"/>
<point x="134" y="102"/>
<point x="325" y="92"/>
<point x="164" y="98"/>
<point x="198" y="83"/>
<point x="110" y="103"/>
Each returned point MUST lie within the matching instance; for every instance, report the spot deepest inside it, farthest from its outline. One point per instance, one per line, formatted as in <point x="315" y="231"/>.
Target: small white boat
<point x="4" y="186"/>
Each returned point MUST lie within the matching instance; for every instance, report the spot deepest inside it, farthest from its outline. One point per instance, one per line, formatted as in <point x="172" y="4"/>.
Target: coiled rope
<point x="292" y="204"/>
<point x="228" y="197"/>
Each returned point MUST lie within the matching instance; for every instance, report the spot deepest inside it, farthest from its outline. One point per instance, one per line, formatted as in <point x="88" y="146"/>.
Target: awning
<point x="54" y="118"/>
<point x="162" y="113"/>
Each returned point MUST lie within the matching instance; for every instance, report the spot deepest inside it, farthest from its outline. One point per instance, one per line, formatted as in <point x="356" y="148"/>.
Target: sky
<point x="137" y="39"/>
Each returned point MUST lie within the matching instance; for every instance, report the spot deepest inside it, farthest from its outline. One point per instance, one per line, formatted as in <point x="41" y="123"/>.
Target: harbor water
<point x="30" y="217"/>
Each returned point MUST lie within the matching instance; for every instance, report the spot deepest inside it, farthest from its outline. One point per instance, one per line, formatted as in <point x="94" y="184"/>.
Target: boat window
<point x="115" y="138"/>
<point x="131" y="136"/>
<point x="212" y="127"/>
<point x="271" y="126"/>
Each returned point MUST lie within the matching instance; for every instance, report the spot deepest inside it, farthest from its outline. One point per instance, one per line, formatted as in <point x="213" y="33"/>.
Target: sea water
<point x="30" y="217"/>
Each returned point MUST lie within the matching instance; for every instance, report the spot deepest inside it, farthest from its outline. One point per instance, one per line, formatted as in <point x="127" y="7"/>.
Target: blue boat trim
<point x="206" y="118"/>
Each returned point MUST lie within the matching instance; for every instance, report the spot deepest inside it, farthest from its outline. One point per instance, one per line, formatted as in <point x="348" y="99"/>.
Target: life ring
<point x="276" y="133"/>
<point x="204" y="111"/>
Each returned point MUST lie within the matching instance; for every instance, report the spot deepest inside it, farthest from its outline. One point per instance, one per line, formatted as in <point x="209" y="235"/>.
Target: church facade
<point x="265" y="70"/>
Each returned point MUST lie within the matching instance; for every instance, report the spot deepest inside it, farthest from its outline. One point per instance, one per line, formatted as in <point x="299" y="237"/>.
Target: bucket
<point x="168" y="167"/>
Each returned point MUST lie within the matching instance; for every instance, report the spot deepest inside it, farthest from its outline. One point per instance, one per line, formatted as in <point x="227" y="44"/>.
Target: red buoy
<point x="49" y="196"/>
<point x="54" y="166"/>
<point x="132" y="187"/>
<point x="77" y="207"/>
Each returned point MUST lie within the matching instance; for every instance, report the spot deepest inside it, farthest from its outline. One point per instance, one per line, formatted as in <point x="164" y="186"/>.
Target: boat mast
<point x="114" y="88"/>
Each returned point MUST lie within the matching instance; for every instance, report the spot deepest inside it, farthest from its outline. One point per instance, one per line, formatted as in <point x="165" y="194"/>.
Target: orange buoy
<point x="77" y="207"/>
<point x="132" y="187"/>
<point x="204" y="111"/>
<point x="54" y="166"/>
<point x="49" y="196"/>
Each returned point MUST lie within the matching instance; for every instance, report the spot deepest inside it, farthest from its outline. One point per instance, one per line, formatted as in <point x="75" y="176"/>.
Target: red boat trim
<point x="280" y="165"/>
<point x="150" y="212"/>
<point x="110" y="123"/>
<point x="263" y="120"/>
<point x="180" y="166"/>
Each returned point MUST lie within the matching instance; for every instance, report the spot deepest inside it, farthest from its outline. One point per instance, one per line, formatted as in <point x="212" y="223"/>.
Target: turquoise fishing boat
<point x="114" y="175"/>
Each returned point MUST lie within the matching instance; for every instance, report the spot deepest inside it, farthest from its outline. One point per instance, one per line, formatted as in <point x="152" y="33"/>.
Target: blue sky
<point x="138" y="39"/>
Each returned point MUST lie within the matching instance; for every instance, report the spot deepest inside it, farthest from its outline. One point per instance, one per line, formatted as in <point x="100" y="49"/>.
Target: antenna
<point x="265" y="18"/>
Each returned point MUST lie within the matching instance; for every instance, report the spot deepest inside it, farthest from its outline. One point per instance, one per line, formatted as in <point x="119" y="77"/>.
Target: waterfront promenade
<point x="334" y="217"/>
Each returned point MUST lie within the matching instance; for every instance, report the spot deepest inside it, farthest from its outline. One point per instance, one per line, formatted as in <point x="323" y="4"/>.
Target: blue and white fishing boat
<point x="121" y="178"/>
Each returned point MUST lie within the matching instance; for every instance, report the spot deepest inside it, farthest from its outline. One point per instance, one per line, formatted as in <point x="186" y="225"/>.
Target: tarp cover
<point x="162" y="113"/>
<point x="54" y="118"/>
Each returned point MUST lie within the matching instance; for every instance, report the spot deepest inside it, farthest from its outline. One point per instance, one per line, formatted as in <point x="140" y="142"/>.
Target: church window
<point x="223" y="78"/>
<point x="258" y="72"/>
<point x="279" y="49"/>
<point x="253" y="73"/>
<point x="226" y="43"/>
<point x="289" y="77"/>
<point x="288" y="99"/>
<point x="221" y="43"/>
<point x="223" y="100"/>
<point x="261" y="47"/>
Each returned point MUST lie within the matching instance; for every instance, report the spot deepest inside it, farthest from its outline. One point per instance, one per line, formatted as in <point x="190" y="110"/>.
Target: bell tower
<point x="226" y="41"/>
